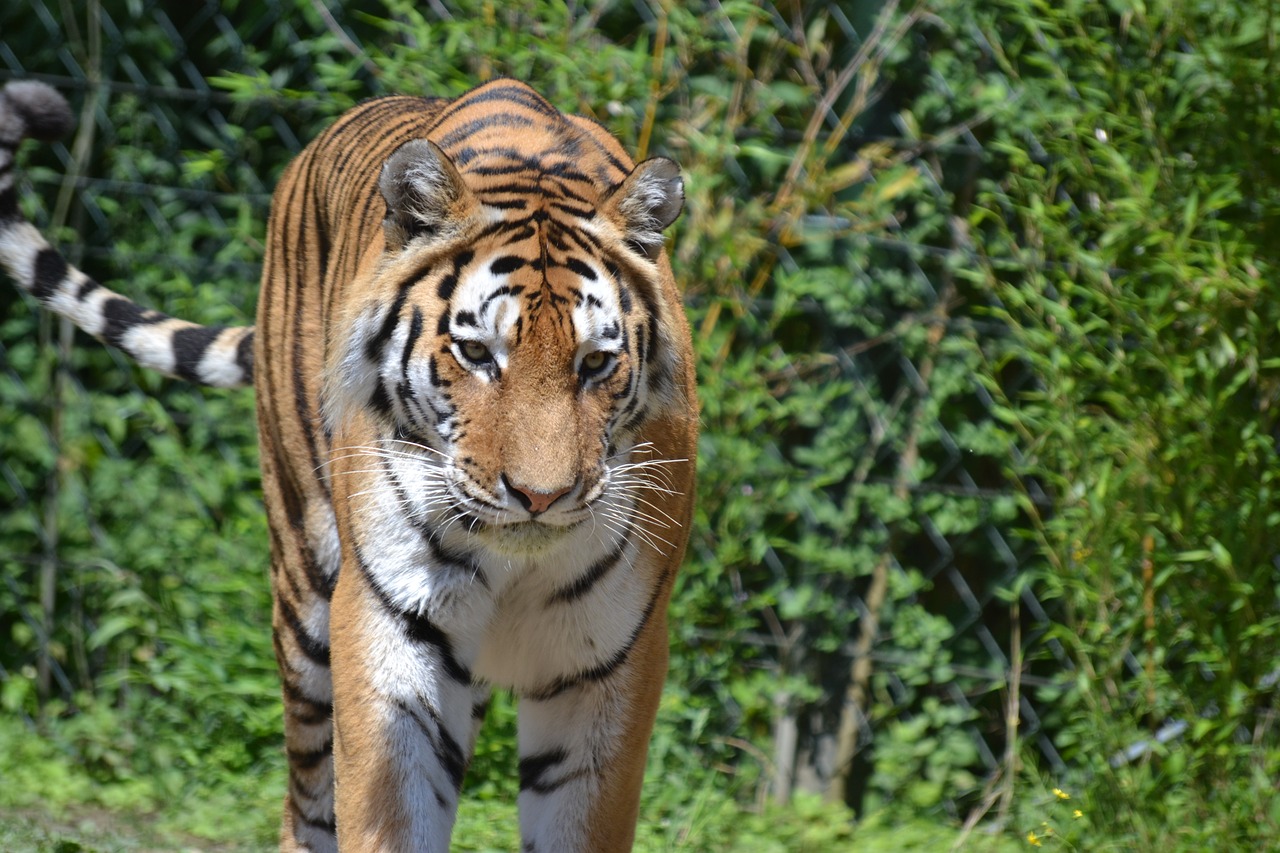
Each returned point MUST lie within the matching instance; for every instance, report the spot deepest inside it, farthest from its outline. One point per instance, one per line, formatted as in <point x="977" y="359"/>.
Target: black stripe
<point x="505" y="290"/>
<point x="446" y="748"/>
<point x="421" y="629"/>
<point x="189" y="347"/>
<point x="436" y="379"/>
<point x="533" y="770"/>
<point x="493" y="171"/>
<point x="517" y="188"/>
<point x="566" y="170"/>
<point x="578" y="212"/>
<point x="301" y="790"/>
<point x="374" y="347"/>
<point x="415" y="332"/>
<point x="310" y="759"/>
<point x="627" y="391"/>
<point x="582" y="269"/>
<point x="121" y="316"/>
<point x="322" y="583"/>
<point x="516" y="94"/>
<point x="50" y="270"/>
<point x="381" y="119"/>
<point x="561" y="189"/>
<point x="380" y="400"/>
<point x="414" y="410"/>
<point x="244" y="355"/>
<point x="507" y="264"/>
<point x="86" y="287"/>
<point x="447" y="284"/>
<point x="418" y="627"/>
<point x="315" y="823"/>
<point x="303" y="708"/>
<point x="462" y="157"/>
<point x="591" y="577"/>
<point x="450" y="281"/>
<point x="306" y="230"/>
<point x="450" y="754"/>
<point x="9" y="205"/>
<point x="476" y="125"/>
<point x="520" y="226"/>
<point x="607" y="667"/>
<point x="315" y="649"/>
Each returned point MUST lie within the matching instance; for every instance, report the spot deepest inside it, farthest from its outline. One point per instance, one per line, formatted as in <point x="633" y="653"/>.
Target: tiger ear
<point x="424" y="192"/>
<point x="646" y="202"/>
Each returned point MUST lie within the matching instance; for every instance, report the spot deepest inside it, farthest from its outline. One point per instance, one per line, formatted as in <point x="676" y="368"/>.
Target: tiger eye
<point x="476" y="352"/>
<point x="594" y="361"/>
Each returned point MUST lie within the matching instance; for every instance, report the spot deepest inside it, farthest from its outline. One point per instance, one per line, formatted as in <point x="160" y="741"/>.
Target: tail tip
<point x="40" y="110"/>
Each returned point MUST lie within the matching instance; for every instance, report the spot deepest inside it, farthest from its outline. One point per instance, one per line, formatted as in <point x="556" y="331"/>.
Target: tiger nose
<point x="534" y="501"/>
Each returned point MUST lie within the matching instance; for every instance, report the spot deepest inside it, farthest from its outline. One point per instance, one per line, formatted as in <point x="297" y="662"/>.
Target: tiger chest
<point x="523" y="623"/>
<point x="551" y="624"/>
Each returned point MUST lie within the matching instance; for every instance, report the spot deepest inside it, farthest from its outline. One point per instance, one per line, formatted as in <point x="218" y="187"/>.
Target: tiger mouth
<point x="521" y="537"/>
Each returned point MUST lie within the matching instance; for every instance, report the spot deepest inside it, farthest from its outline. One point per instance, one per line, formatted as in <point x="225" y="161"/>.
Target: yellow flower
<point x="1033" y="840"/>
<point x="1077" y="814"/>
<point x="1061" y="794"/>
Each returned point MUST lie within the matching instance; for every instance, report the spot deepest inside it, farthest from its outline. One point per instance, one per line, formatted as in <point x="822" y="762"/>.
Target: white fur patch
<point x="218" y="366"/>
<point x="351" y="378"/>
<point x="496" y="313"/>
<point x="151" y="344"/>
<point x="598" y="317"/>
<point x="19" y="245"/>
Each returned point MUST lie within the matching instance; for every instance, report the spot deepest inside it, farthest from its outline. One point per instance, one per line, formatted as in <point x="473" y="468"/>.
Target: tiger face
<point x="512" y="348"/>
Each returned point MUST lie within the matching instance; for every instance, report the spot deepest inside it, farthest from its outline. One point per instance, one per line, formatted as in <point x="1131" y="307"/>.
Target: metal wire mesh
<point x="179" y="110"/>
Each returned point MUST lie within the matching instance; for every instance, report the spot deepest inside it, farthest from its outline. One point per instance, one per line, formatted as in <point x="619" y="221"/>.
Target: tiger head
<point x="512" y="342"/>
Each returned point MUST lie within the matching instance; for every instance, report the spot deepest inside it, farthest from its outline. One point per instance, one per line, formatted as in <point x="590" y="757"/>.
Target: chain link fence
<point x="178" y="110"/>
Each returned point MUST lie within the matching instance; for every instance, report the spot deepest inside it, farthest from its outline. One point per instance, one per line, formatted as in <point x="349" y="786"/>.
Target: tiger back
<point x="477" y="421"/>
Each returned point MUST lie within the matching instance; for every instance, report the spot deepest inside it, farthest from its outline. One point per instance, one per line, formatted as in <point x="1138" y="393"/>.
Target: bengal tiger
<point x="477" y="422"/>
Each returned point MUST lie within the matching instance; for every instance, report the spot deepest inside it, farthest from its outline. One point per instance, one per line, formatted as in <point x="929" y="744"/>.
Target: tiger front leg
<point x="404" y="719"/>
<point x="583" y="751"/>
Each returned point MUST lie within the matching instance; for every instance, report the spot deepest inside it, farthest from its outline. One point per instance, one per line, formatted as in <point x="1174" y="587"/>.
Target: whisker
<point x="641" y="514"/>
<point x="628" y="483"/>
<point x="622" y="517"/>
<point x="659" y="510"/>
<point x="417" y="446"/>
<point x="653" y="463"/>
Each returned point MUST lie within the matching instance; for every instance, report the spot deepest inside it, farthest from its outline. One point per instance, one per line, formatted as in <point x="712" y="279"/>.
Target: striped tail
<point x="221" y="356"/>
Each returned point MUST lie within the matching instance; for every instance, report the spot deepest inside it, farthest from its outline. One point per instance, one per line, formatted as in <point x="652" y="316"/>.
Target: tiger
<point x="477" y="422"/>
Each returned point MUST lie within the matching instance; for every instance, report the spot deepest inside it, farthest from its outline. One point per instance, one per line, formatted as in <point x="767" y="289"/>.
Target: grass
<point x="50" y="803"/>
<point x="488" y="828"/>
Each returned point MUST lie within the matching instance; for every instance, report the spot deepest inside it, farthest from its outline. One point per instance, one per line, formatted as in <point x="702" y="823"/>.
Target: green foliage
<point x="1126" y="237"/>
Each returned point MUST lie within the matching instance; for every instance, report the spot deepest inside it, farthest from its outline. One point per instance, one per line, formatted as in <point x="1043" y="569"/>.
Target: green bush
<point x="1123" y="232"/>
